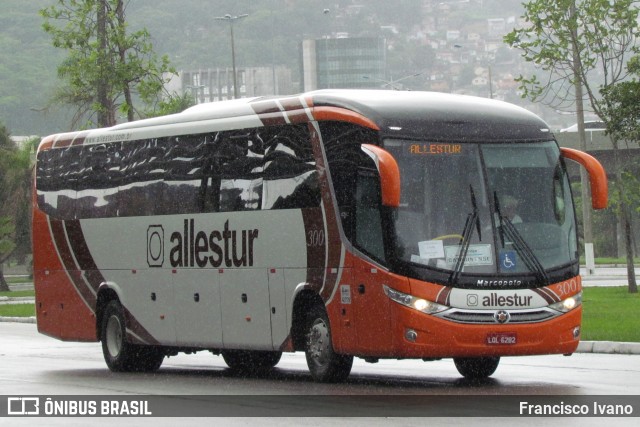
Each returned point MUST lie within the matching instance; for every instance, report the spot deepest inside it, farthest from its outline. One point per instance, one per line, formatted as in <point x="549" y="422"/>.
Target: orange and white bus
<point x="341" y="223"/>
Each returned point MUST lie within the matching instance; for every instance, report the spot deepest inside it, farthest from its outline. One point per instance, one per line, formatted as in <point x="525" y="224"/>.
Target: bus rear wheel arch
<point x="120" y="355"/>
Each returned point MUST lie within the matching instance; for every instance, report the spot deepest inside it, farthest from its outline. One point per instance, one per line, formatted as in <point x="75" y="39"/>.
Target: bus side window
<point x="98" y="180"/>
<point x="290" y="175"/>
<point x="47" y="182"/>
<point x="241" y="159"/>
<point x="357" y="189"/>
<point x="356" y="186"/>
<point x="368" y="221"/>
<point x="149" y="175"/>
<point x="210" y="186"/>
<point x="183" y="174"/>
<point x="142" y="177"/>
<point x="129" y="192"/>
<point x="558" y="196"/>
<point x="68" y="166"/>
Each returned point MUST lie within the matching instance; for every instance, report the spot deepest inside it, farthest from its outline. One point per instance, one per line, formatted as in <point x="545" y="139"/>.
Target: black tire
<point x="120" y="355"/>
<point x="251" y="361"/>
<point x="324" y="363"/>
<point x="476" y="368"/>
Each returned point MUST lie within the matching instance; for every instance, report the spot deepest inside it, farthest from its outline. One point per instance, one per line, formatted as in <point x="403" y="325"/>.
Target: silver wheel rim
<point x="114" y="336"/>
<point x="319" y="342"/>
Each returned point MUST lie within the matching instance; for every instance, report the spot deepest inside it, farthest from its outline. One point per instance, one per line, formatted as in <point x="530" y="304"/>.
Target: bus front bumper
<point x="417" y="335"/>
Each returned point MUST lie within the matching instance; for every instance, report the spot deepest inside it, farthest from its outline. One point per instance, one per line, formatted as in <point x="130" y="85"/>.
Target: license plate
<point x="502" y="338"/>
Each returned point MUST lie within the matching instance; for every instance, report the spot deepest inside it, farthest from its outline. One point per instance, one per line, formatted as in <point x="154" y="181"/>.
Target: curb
<point x="608" y="347"/>
<point x="31" y="319"/>
<point x="17" y="300"/>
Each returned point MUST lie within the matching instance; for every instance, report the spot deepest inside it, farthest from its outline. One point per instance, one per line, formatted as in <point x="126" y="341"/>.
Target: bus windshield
<point x="469" y="209"/>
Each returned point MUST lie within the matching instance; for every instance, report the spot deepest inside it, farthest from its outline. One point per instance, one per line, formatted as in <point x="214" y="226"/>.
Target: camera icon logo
<point x="472" y="300"/>
<point x="155" y="246"/>
<point x="23" y="406"/>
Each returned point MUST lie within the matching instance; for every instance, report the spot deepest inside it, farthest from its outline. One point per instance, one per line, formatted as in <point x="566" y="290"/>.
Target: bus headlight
<point x="568" y="304"/>
<point x="419" y="304"/>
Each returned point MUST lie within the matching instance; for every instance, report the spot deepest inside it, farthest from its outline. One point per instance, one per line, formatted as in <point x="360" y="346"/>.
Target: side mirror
<point x="389" y="174"/>
<point x="597" y="175"/>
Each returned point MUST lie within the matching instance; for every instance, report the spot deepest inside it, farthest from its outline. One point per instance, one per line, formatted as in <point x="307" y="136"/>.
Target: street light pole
<point x="231" y="20"/>
<point x="490" y="83"/>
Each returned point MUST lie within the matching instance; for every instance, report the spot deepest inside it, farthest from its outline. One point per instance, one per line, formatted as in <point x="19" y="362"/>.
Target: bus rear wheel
<point x="324" y="363"/>
<point x="250" y="361"/>
<point x="476" y="368"/>
<point x="120" y="355"/>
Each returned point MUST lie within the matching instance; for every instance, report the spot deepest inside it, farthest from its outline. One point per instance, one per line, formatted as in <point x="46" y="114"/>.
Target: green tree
<point x="623" y="112"/>
<point x="581" y="47"/>
<point x="107" y="65"/>
<point x="623" y="109"/>
<point x="172" y="104"/>
<point x="7" y="245"/>
<point x="15" y="195"/>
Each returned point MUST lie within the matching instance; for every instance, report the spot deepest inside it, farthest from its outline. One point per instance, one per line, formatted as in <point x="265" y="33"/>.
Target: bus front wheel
<point x="324" y="363"/>
<point x="475" y="368"/>
<point x="120" y="355"/>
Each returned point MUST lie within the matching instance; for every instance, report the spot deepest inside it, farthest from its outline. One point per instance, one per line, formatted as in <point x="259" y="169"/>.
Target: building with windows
<point x="344" y="63"/>
<point x="216" y="84"/>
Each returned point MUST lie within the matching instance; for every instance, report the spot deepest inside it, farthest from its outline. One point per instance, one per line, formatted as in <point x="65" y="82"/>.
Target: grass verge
<point x="15" y="280"/>
<point x="610" y="314"/>
<point x="611" y="261"/>
<point x="13" y="294"/>
<point x="17" y="310"/>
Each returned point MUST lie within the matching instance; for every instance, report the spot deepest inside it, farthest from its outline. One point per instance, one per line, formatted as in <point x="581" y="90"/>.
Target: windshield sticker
<point x="432" y="262"/>
<point x="507" y="260"/>
<point x="476" y="255"/>
<point x="435" y="149"/>
<point x="417" y="259"/>
<point x="431" y="249"/>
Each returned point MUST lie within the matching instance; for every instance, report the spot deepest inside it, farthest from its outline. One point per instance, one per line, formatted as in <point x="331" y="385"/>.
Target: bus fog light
<point x="576" y="332"/>
<point x="411" y="335"/>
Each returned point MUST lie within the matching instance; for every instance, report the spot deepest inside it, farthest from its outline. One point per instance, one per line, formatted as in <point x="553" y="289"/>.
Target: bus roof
<point x="435" y="115"/>
<point x="423" y="115"/>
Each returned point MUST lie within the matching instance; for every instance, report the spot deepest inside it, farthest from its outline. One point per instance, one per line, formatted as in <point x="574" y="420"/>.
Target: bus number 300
<point x="315" y="238"/>
<point x="569" y="287"/>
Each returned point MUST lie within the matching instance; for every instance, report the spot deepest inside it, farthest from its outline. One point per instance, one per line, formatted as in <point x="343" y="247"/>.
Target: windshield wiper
<point x="497" y="205"/>
<point x="505" y="226"/>
<point x="472" y="219"/>
<point x="523" y="249"/>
